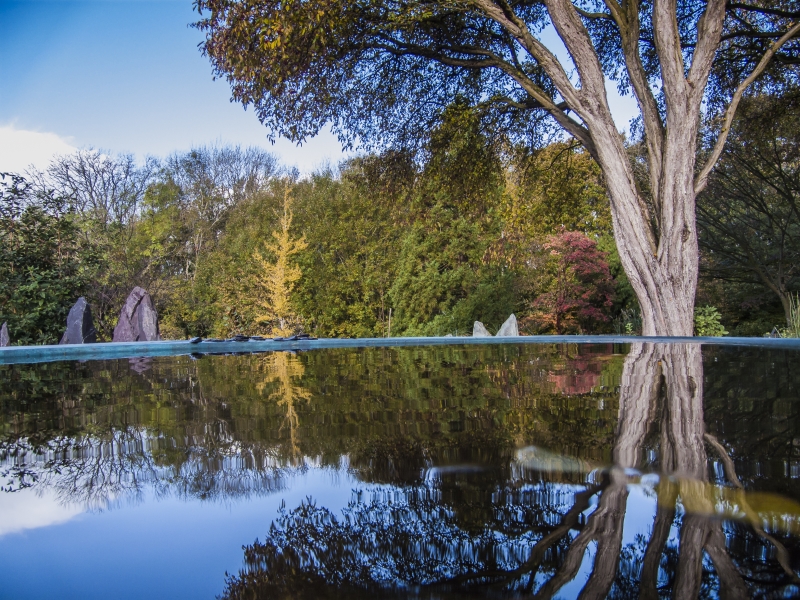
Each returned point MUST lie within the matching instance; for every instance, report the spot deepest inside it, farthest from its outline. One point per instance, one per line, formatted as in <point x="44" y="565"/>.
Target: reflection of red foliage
<point x="578" y="374"/>
<point x="580" y="291"/>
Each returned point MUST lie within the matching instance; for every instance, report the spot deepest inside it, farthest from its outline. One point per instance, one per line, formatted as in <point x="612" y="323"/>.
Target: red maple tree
<point x="578" y="289"/>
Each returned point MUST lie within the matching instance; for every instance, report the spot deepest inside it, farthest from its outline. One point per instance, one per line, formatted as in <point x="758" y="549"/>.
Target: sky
<point x="119" y="76"/>
<point x="127" y="76"/>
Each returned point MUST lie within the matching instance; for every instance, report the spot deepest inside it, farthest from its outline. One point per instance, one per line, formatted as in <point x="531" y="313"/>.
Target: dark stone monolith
<point x="509" y="328"/>
<point x="138" y="321"/>
<point x="80" y="328"/>
<point x="5" y="339"/>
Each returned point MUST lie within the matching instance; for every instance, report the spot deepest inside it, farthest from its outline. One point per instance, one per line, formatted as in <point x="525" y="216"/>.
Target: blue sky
<point x="122" y="76"/>
<point x="127" y="76"/>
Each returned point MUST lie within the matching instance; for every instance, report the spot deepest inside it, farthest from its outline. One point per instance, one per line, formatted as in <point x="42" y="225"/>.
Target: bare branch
<point x="593" y="15"/>
<point x="702" y="178"/>
<point x="502" y="13"/>
<point x="709" y="30"/>
<point x="542" y="99"/>
<point x="764" y="10"/>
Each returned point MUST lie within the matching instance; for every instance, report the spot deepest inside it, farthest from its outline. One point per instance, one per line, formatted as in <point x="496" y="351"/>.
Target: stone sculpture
<point x="509" y="328"/>
<point x="5" y="339"/>
<point x="80" y="328"/>
<point x="479" y="330"/>
<point x="138" y="321"/>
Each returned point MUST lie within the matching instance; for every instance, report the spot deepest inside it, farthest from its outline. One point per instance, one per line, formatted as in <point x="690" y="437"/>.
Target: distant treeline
<point x="227" y="241"/>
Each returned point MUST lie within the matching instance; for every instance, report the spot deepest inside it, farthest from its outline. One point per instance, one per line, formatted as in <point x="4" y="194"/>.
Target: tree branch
<point x="702" y="178"/>
<point x="763" y="10"/>
<point x="556" y="110"/>
<point x="629" y="27"/>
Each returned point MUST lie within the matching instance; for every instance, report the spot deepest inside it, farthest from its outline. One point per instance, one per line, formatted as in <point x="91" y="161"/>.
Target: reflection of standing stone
<point x="5" y="340"/>
<point x="80" y="329"/>
<point x="509" y="328"/>
<point x="478" y="330"/>
<point x="138" y="321"/>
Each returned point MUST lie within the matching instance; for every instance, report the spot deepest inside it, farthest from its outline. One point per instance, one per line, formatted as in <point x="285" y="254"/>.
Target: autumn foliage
<point x="275" y="279"/>
<point x="578" y="290"/>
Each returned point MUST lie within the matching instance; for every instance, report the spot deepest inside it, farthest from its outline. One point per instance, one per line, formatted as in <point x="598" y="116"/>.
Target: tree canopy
<point x="383" y="72"/>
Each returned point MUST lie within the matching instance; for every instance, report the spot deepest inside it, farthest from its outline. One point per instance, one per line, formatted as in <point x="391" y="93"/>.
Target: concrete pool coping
<point x="113" y="350"/>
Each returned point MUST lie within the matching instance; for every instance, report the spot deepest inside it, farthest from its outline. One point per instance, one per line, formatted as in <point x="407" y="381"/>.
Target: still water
<point x="494" y="471"/>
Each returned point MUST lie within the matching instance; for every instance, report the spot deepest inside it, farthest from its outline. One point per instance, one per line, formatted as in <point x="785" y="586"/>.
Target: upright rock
<point x="80" y="328"/>
<point x="509" y="328"/>
<point x="478" y="330"/>
<point x="138" y="321"/>
<point x="5" y="339"/>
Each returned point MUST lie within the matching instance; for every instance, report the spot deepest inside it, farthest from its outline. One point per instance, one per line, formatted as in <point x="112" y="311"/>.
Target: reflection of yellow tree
<point x="283" y="371"/>
<point x="274" y="281"/>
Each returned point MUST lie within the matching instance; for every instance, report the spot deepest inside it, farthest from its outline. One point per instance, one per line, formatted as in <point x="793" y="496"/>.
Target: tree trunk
<point x="657" y="244"/>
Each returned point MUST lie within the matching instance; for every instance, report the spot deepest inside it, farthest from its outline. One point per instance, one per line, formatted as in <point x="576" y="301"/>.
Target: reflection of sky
<point x="170" y="547"/>
<point x="166" y="548"/>
<point x="31" y="509"/>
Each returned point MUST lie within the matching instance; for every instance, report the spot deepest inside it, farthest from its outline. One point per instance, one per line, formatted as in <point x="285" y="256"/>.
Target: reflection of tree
<point x="409" y="540"/>
<point x="123" y="465"/>
<point x="444" y="429"/>
<point x="284" y="372"/>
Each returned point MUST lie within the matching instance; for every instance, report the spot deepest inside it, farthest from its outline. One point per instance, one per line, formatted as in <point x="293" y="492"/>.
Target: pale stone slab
<point x="509" y="328"/>
<point x="479" y="330"/>
<point x="5" y="339"/>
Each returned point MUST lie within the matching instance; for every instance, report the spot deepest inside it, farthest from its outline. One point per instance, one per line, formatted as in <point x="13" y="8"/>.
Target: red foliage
<point x="579" y="289"/>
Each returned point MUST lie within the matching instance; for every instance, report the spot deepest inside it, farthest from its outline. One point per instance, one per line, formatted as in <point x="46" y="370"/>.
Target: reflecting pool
<point x="496" y="471"/>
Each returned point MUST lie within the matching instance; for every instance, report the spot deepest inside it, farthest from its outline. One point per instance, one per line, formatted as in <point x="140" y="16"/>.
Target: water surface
<point x="497" y="471"/>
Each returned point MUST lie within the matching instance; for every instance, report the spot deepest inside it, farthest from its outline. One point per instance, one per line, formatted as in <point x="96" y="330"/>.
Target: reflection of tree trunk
<point x="636" y="407"/>
<point x="604" y="525"/>
<point x="731" y="584"/>
<point x="609" y="538"/>
<point x="683" y="456"/>
<point x="648" y="580"/>
<point x="637" y="402"/>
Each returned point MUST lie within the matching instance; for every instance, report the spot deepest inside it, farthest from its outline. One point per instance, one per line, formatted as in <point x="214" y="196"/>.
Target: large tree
<point x="749" y="216"/>
<point x="382" y="70"/>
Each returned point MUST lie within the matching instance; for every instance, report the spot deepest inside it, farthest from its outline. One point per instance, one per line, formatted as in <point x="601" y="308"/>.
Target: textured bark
<point x="662" y="384"/>
<point x="657" y="237"/>
<point x="648" y="581"/>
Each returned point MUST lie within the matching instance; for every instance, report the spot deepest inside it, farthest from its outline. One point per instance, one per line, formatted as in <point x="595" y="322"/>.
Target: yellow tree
<point x="275" y="280"/>
<point x="284" y="382"/>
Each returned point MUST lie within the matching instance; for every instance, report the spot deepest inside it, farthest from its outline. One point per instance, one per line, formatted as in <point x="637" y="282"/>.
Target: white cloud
<point x="27" y="509"/>
<point x="21" y="149"/>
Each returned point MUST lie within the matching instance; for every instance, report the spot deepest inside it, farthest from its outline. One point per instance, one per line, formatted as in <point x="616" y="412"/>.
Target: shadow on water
<point x="501" y="472"/>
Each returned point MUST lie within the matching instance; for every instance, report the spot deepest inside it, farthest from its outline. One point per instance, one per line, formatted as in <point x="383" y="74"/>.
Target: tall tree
<point x="445" y="280"/>
<point x="211" y="181"/>
<point x="106" y="195"/>
<point x="276" y="278"/>
<point x="382" y="70"/>
<point x="749" y="216"/>
<point x="44" y="268"/>
<point x="354" y="225"/>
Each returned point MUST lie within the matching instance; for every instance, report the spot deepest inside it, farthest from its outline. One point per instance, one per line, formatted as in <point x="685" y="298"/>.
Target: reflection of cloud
<point x="20" y="149"/>
<point x="28" y="509"/>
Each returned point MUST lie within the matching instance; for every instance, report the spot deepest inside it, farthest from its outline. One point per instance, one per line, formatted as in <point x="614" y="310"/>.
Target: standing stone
<point x="80" y="328"/>
<point x="509" y="328"/>
<point x="478" y="330"/>
<point x="5" y="339"/>
<point x="138" y="321"/>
